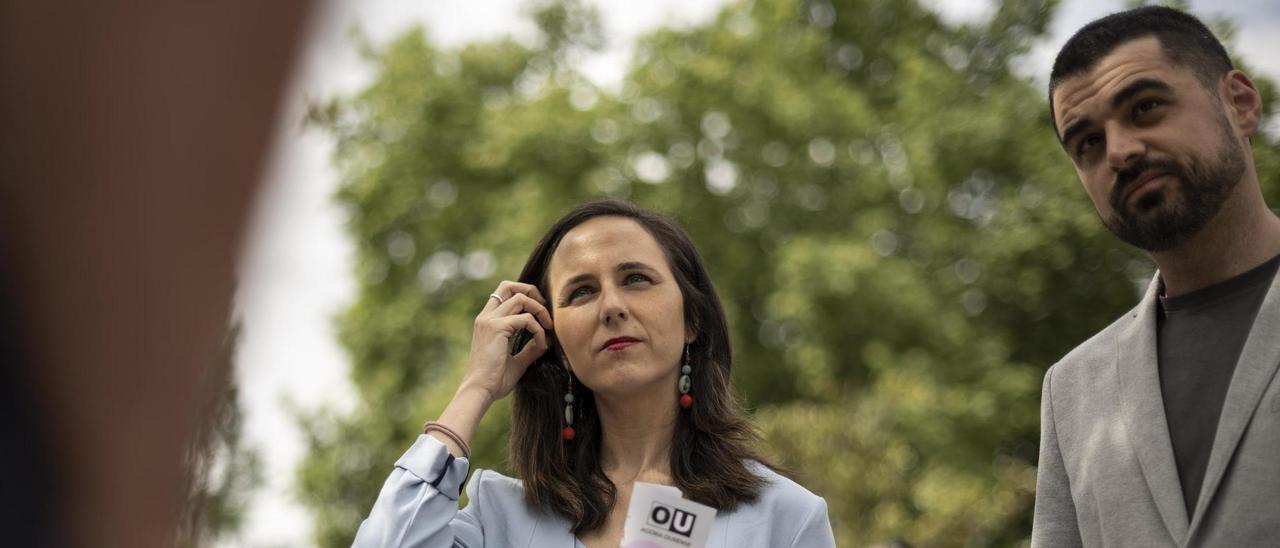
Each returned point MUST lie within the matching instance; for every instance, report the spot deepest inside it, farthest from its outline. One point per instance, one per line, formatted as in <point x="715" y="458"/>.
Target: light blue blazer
<point x="418" y="506"/>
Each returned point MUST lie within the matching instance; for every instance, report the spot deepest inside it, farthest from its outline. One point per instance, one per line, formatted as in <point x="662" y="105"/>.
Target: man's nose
<point x="1123" y="148"/>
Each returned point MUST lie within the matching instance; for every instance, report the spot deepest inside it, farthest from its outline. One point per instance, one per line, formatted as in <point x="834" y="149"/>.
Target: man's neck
<point x="1243" y="235"/>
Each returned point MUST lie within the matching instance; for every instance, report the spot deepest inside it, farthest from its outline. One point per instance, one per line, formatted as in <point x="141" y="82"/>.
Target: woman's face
<point x="617" y="309"/>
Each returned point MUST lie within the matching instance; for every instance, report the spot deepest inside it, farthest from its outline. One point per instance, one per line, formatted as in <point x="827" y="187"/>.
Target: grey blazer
<point x="1107" y="475"/>
<point x="418" y="506"/>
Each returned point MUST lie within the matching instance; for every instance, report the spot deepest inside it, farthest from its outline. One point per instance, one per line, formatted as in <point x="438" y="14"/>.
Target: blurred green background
<point x="900" y="243"/>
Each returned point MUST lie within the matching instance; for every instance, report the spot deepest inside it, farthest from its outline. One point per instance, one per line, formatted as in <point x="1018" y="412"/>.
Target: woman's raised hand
<point x="492" y="371"/>
<point x="512" y="307"/>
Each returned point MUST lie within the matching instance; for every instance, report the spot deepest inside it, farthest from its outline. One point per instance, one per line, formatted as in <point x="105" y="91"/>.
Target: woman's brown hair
<point x="713" y="445"/>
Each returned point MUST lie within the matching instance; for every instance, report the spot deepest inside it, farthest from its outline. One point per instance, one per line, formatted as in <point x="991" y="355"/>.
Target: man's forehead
<point x="1133" y="59"/>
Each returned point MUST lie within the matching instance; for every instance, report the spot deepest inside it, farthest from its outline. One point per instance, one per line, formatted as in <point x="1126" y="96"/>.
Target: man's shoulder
<point x="1097" y="353"/>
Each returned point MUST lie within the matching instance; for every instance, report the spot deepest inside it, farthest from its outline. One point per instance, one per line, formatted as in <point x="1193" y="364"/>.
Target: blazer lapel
<point x="1142" y="409"/>
<point x="1258" y="363"/>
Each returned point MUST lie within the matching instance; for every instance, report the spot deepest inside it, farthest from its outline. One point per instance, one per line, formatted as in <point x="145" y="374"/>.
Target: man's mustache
<point x="1130" y="175"/>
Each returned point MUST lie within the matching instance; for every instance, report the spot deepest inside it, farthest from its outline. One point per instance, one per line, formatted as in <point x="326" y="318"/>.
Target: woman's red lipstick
<point x="618" y="343"/>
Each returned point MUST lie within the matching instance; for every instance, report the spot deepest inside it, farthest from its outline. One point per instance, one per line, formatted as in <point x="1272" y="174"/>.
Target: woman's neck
<point x="637" y="430"/>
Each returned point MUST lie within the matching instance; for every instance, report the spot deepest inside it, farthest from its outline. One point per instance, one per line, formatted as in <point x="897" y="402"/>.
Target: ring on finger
<point x="497" y="296"/>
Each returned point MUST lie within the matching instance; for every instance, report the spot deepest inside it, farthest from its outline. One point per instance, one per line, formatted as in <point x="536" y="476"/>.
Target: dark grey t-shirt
<point x="1200" y="339"/>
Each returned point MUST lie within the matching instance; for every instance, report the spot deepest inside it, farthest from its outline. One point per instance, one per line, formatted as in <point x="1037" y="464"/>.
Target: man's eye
<point x="1087" y="143"/>
<point x="1145" y="106"/>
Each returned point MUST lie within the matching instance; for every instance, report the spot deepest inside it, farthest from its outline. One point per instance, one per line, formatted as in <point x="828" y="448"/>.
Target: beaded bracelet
<point x="433" y="426"/>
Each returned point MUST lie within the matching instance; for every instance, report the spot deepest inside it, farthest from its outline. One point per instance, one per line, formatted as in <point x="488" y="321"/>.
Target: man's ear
<point x="1243" y="102"/>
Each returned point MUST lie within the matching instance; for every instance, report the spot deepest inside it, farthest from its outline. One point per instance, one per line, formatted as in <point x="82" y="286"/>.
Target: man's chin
<point x="1160" y="228"/>
<point x="1154" y="202"/>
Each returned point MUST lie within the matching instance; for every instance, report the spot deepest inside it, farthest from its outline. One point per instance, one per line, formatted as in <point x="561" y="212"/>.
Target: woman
<point x="625" y="378"/>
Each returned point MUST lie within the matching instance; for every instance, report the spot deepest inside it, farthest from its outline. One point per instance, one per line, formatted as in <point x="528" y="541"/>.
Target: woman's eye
<point x="580" y="291"/>
<point x="636" y="278"/>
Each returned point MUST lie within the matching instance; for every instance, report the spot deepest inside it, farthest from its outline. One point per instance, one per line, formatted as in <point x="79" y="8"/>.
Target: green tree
<point x="901" y="246"/>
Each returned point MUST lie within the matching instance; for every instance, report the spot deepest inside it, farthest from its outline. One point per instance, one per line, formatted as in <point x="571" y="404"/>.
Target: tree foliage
<point x="901" y="245"/>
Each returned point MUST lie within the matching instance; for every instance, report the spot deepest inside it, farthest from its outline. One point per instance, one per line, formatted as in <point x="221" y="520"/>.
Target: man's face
<point x="1152" y="146"/>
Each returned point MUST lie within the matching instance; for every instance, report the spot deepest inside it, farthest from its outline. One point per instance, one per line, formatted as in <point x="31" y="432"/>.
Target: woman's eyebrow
<point x="576" y="279"/>
<point x="633" y="265"/>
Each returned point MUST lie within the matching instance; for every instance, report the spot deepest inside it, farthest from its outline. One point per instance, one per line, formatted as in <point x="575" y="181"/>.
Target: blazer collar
<point x="1142" y="410"/>
<point x="1259" y="360"/>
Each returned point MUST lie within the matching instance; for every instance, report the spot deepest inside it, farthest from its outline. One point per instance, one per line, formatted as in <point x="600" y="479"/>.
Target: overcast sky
<point x="296" y="272"/>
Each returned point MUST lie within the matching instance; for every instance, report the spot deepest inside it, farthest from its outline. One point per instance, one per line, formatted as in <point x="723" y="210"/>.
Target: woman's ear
<point x="560" y="356"/>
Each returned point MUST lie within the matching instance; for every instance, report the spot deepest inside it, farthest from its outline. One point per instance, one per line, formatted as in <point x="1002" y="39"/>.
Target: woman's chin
<point x="626" y="380"/>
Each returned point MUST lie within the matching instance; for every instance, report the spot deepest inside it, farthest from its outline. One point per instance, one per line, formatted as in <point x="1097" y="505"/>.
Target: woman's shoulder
<point x="502" y="497"/>
<point x="496" y="502"/>
<point x="492" y="487"/>
<point x="497" y="507"/>
<point x="784" y="513"/>
<point x="781" y="493"/>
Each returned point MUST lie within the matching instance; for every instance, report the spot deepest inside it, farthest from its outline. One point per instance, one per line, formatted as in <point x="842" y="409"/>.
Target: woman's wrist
<point x="473" y="395"/>
<point x="461" y="417"/>
<point x="455" y="448"/>
<point x="451" y="439"/>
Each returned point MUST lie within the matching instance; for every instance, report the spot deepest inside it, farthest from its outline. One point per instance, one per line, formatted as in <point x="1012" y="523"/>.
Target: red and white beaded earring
<point x="686" y="384"/>
<point x="568" y="432"/>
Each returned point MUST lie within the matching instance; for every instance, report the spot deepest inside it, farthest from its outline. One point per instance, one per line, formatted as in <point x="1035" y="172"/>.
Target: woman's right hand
<point x="513" y="307"/>
<point x="492" y="371"/>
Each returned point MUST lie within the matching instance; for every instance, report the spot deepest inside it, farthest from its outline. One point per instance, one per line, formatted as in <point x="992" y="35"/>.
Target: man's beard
<point x="1155" y="225"/>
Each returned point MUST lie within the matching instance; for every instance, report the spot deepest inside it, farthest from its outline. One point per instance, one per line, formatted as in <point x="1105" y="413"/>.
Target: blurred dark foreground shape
<point x="134" y="136"/>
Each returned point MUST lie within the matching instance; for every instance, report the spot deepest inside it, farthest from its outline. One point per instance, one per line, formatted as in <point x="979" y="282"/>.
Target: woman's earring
<point x="568" y="432"/>
<point x="686" y="400"/>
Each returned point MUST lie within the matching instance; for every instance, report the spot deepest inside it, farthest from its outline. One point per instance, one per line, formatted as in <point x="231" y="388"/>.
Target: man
<point x="1164" y="428"/>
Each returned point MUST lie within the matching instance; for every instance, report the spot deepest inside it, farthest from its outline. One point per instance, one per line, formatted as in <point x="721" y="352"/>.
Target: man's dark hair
<point x="1184" y="39"/>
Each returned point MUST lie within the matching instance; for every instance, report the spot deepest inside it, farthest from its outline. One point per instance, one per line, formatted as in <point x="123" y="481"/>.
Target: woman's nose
<point x="612" y="305"/>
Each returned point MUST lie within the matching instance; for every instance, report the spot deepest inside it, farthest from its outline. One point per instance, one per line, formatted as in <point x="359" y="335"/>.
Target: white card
<point x="660" y="517"/>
